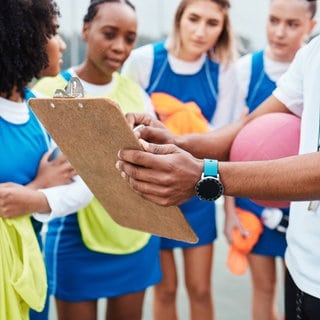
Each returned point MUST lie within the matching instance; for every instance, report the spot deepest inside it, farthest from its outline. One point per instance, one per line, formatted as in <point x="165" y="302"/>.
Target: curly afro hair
<point x="25" y="27"/>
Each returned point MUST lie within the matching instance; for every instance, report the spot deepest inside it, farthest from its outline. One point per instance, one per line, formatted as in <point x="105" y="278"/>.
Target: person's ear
<point x="85" y="31"/>
<point x="313" y="23"/>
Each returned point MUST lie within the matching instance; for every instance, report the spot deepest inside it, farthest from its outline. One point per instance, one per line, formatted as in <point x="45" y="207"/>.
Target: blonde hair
<point x="224" y="49"/>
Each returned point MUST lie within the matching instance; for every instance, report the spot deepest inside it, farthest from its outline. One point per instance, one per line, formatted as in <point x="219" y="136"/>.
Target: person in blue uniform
<point x="288" y="27"/>
<point x="190" y="78"/>
<point x="25" y="145"/>
<point x="88" y="255"/>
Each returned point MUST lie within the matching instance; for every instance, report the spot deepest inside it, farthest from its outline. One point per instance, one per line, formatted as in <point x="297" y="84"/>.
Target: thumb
<point x="158" y="148"/>
<point x="45" y="157"/>
<point x="244" y="232"/>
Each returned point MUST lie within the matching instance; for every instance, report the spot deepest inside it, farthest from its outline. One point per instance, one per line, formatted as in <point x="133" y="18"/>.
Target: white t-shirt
<point x="299" y="90"/>
<point x="139" y="67"/>
<point x="104" y="89"/>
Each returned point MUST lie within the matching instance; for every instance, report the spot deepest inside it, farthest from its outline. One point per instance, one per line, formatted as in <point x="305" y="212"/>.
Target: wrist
<point x="40" y="203"/>
<point x="33" y="185"/>
<point x="209" y="187"/>
<point x="181" y="142"/>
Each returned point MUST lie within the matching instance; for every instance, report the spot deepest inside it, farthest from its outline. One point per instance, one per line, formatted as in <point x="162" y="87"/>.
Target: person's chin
<point x="280" y="53"/>
<point x="114" y="65"/>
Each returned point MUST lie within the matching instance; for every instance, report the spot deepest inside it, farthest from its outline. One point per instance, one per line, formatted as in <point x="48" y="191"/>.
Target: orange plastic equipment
<point x="237" y="261"/>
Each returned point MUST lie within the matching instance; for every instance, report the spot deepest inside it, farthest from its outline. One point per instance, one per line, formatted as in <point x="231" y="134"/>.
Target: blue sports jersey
<point x="201" y="88"/>
<point x="271" y="242"/>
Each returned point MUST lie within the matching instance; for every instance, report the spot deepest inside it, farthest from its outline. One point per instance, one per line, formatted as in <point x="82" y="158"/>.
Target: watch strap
<point x="210" y="168"/>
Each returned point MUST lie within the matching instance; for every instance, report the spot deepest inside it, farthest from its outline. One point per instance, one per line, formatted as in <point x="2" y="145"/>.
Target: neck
<point x="89" y="73"/>
<point x="15" y="95"/>
<point x="274" y="57"/>
<point x="187" y="56"/>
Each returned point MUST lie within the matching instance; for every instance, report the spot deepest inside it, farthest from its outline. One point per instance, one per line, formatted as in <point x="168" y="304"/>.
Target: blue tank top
<point x="201" y="88"/>
<point x="260" y="88"/>
<point x="23" y="146"/>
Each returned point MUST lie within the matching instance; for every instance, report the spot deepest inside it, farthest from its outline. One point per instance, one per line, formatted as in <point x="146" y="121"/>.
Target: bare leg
<point x="86" y="310"/>
<point x="126" y="307"/>
<point x="164" y="306"/>
<point x="263" y="275"/>
<point x="198" y="268"/>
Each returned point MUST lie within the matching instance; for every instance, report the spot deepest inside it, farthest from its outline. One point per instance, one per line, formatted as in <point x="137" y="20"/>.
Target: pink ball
<point x="270" y="136"/>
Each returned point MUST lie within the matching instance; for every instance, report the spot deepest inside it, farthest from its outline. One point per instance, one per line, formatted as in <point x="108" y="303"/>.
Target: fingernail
<point x="144" y="144"/>
<point x="123" y="175"/>
<point x="118" y="165"/>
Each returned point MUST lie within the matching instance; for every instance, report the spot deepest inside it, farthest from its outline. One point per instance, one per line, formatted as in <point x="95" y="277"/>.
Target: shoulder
<point x="244" y="62"/>
<point x="311" y="51"/>
<point x="139" y="65"/>
<point x="145" y="51"/>
<point x="126" y="83"/>
<point x="308" y="54"/>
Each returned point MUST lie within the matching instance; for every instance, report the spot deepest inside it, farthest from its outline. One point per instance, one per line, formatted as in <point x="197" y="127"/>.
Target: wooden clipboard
<point x="90" y="132"/>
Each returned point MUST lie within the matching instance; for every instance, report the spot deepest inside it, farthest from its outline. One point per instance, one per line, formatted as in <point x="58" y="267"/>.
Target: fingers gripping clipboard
<point x="90" y="132"/>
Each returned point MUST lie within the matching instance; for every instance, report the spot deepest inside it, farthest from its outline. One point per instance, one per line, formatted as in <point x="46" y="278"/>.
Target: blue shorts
<point x="271" y="242"/>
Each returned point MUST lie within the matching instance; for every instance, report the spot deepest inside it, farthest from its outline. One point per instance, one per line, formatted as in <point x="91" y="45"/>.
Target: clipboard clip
<point x="74" y="89"/>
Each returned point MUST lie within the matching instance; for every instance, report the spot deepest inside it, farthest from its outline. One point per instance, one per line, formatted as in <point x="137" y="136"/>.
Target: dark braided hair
<point x="93" y="8"/>
<point x="25" y="27"/>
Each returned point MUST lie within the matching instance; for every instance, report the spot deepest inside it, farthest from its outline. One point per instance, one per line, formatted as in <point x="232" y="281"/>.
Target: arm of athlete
<point x="166" y="174"/>
<point x="215" y="144"/>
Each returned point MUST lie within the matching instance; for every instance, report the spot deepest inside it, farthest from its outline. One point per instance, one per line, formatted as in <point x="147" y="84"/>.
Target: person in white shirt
<point x="289" y="25"/>
<point x="167" y="173"/>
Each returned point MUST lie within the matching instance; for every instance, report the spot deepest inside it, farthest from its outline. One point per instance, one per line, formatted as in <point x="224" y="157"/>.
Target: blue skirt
<point x="76" y="273"/>
<point x="271" y="242"/>
<point x="201" y="215"/>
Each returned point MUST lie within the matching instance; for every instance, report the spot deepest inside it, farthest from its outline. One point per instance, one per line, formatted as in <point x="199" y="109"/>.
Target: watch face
<point x="209" y="188"/>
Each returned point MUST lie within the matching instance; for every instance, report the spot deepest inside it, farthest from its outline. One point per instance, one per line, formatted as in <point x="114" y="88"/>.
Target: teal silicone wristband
<point x="210" y="168"/>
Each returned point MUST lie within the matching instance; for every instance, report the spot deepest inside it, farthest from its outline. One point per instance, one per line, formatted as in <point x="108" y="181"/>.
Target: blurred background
<point x="155" y="19"/>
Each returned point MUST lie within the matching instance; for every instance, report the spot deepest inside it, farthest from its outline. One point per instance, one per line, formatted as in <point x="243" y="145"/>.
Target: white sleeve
<point x="65" y="199"/>
<point x="229" y="106"/>
<point x="139" y="65"/>
<point x="243" y="70"/>
<point x="290" y="86"/>
<point x="148" y="106"/>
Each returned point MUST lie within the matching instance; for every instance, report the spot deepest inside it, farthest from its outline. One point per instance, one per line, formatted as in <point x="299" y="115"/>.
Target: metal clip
<point x="74" y="89"/>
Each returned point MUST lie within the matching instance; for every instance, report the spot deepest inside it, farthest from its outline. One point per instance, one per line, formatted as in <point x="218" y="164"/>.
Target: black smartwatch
<point x="209" y="186"/>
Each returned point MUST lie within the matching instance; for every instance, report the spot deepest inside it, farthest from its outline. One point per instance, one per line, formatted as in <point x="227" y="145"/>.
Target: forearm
<point x="37" y="202"/>
<point x="17" y="200"/>
<point x="64" y="199"/>
<point x="295" y="178"/>
<point x="217" y="144"/>
<point x="214" y="145"/>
